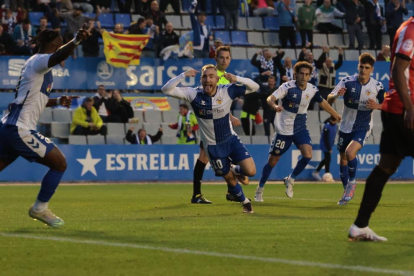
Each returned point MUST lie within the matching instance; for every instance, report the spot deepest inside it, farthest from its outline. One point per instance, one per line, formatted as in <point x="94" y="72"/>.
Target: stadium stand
<point x="77" y="140"/>
<point x="115" y="140"/>
<point x="153" y="116"/>
<point x="96" y="140"/>
<point x="124" y="19"/>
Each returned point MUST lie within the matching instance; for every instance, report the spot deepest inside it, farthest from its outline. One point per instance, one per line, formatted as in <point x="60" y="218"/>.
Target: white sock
<point x="246" y="201"/>
<point x="260" y="189"/>
<point x="291" y="180"/>
<point x="39" y="206"/>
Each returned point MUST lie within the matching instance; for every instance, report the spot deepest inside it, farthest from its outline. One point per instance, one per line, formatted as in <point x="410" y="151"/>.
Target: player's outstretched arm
<point x="251" y="86"/>
<point x="400" y="83"/>
<point x="328" y="108"/>
<point x="66" y="50"/>
<point x="171" y="89"/>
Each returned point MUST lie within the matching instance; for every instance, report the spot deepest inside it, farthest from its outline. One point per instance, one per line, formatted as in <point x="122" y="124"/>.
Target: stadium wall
<point x="164" y="163"/>
<point x="151" y="74"/>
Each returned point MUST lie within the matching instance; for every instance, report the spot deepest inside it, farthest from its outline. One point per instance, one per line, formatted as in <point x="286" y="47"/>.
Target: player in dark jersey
<point x="397" y="138"/>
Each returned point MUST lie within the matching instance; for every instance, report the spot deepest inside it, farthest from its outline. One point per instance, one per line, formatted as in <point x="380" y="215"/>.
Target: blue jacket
<point x="328" y="136"/>
<point x="285" y="16"/>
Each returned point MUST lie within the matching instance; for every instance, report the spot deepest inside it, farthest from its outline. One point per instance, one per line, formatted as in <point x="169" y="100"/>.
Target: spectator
<point x="118" y="28"/>
<point x="306" y="55"/>
<point x="106" y="105"/>
<point x="374" y="21"/>
<point x="327" y="74"/>
<point x="265" y="64"/>
<point x="217" y="43"/>
<point x="307" y="20"/>
<point x="153" y="31"/>
<point x="216" y="4"/>
<point x="21" y="35"/>
<point x="87" y="7"/>
<point x="200" y="28"/>
<point x="394" y="12"/>
<point x="22" y="14"/>
<point x="7" y="40"/>
<point x="142" y="7"/>
<point x="201" y="6"/>
<point x="250" y="108"/>
<point x="354" y="16"/>
<point x="231" y="14"/>
<point x="42" y="24"/>
<point x="159" y="17"/>
<point x="325" y="15"/>
<point x="187" y="125"/>
<point x="124" y="110"/>
<point x="142" y="138"/>
<point x="326" y="143"/>
<point x="385" y="54"/>
<point x="287" y="21"/>
<point x="137" y="27"/>
<point x="168" y="37"/>
<point x="90" y="46"/>
<point x="285" y="70"/>
<point x="75" y="21"/>
<point x="262" y="7"/>
<point x="8" y="22"/>
<point x="175" y="4"/>
<point x="268" y="113"/>
<point x="2" y="50"/>
<point x="86" y="120"/>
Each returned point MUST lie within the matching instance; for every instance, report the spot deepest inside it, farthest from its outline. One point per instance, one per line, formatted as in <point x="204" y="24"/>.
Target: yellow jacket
<point x="79" y="118"/>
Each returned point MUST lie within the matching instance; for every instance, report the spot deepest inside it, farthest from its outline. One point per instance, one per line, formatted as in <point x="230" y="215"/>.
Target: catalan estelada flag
<point x="122" y="50"/>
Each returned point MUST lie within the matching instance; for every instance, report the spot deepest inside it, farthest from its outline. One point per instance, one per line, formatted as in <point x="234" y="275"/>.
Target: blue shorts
<point x="223" y="155"/>
<point x="281" y="143"/>
<point x="344" y="139"/>
<point x="30" y="144"/>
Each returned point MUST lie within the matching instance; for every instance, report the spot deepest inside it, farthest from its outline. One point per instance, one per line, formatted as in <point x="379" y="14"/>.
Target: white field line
<point x="215" y="254"/>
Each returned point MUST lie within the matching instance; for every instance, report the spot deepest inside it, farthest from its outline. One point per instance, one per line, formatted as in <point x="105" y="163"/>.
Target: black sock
<point x="320" y="166"/>
<point x="372" y="195"/>
<point x="198" y="175"/>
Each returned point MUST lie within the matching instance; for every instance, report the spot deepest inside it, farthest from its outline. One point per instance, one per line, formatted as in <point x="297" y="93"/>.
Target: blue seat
<point x="239" y="38"/>
<point x="219" y="22"/>
<point x="90" y="15"/>
<point x="185" y="5"/>
<point x="107" y="20"/>
<point x="210" y="22"/>
<point x="271" y="23"/>
<point x="224" y="36"/>
<point x="124" y="19"/>
<point x="34" y="17"/>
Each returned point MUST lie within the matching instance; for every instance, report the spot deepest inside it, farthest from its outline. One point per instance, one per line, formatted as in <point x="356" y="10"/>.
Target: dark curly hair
<point x="44" y="37"/>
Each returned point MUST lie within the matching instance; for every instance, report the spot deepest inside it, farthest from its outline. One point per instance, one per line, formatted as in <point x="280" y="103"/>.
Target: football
<point x="327" y="177"/>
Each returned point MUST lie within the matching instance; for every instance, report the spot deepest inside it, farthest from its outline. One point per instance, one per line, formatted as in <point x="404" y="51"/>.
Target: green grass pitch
<point x="154" y="230"/>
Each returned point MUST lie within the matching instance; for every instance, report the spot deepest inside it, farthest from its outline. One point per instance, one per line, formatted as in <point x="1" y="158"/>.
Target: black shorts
<point x="395" y="138"/>
<point x="201" y="144"/>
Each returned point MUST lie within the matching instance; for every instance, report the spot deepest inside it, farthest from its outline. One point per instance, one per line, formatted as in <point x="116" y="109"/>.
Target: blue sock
<point x="300" y="166"/>
<point x="343" y="173"/>
<point x="267" y="170"/>
<point x="238" y="191"/>
<point x="49" y="184"/>
<point x="352" y="167"/>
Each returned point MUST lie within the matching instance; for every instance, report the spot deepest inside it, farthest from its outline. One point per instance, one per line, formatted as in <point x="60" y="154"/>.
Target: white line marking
<point x="300" y="198"/>
<point x="216" y="254"/>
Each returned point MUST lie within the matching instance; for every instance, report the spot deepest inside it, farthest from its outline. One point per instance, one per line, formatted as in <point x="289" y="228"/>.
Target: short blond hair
<point x="208" y="66"/>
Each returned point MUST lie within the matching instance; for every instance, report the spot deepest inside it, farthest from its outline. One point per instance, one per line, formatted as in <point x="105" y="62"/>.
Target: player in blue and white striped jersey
<point x="18" y="135"/>
<point x="361" y="95"/>
<point x="290" y="124"/>
<point x="211" y="104"/>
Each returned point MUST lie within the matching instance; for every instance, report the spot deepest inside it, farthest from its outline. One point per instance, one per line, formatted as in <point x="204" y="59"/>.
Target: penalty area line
<point x="214" y="254"/>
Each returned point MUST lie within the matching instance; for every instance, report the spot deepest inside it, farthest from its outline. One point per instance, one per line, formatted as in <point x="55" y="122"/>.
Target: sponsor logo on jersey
<point x="208" y="112"/>
<point x="218" y="100"/>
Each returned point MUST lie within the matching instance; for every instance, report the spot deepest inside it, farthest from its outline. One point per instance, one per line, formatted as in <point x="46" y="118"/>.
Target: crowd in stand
<point x="70" y="15"/>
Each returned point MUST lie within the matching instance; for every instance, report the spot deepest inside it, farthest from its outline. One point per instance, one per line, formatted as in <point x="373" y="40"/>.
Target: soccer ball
<point x="327" y="177"/>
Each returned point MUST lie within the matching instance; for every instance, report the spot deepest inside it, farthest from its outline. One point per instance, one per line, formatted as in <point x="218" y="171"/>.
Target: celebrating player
<point x="223" y="59"/>
<point x="211" y="104"/>
<point x="361" y="94"/>
<point x="290" y="124"/>
<point x="398" y="130"/>
<point x="18" y="135"/>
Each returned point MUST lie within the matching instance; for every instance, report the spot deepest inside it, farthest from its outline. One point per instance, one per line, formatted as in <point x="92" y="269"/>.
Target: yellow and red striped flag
<point x="122" y="50"/>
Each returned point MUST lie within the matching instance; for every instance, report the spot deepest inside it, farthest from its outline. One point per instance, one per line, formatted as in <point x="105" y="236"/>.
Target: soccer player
<point x="211" y="104"/>
<point x="398" y="130"/>
<point x="18" y="135"/>
<point x="290" y="124"/>
<point x="361" y="94"/>
<point x="223" y="59"/>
